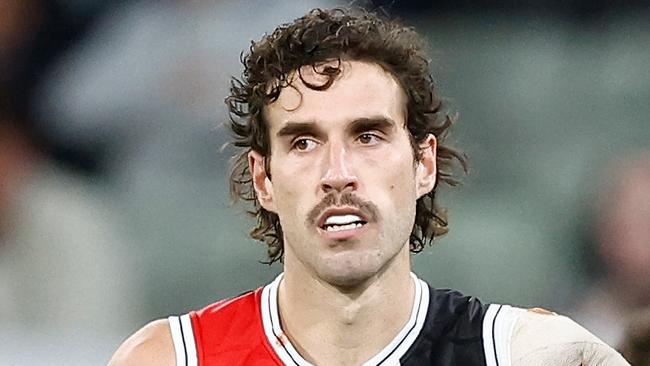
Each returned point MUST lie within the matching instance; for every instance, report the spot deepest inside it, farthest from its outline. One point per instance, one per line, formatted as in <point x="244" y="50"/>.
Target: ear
<point x="261" y="182"/>
<point x="426" y="171"/>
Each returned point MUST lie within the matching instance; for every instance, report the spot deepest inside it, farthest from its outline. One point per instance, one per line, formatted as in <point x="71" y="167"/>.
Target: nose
<point x="339" y="173"/>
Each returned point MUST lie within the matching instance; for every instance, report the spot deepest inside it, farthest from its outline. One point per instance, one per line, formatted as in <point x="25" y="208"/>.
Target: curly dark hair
<point x="319" y="37"/>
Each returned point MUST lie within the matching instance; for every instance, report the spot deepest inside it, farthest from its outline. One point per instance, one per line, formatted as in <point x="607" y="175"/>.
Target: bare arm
<point x="150" y="346"/>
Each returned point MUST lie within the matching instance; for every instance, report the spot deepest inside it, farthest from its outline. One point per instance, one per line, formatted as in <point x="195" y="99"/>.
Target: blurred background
<point x="114" y="206"/>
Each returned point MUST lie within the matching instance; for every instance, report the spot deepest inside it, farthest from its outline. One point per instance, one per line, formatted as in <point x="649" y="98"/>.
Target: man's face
<point x="343" y="179"/>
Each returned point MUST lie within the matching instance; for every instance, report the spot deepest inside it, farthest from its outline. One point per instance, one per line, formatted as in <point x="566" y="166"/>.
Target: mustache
<point x="367" y="208"/>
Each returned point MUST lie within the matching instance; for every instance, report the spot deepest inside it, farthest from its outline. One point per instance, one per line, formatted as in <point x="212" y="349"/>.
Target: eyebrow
<point x="356" y="126"/>
<point x="380" y="123"/>
<point x="298" y="128"/>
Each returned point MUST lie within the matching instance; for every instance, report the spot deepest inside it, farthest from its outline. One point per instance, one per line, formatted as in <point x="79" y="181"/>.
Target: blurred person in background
<point x="62" y="258"/>
<point x="343" y="143"/>
<point x="619" y="249"/>
<point x="636" y="342"/>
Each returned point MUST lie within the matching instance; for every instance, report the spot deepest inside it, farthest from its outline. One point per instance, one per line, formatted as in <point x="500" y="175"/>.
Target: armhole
<point x="183" y="338"/>
<point x="498" y="325"/>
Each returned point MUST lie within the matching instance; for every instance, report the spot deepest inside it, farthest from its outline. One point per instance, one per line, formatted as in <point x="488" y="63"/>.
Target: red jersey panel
<point x="244" y="330"/>
<point x="230" y="332"/>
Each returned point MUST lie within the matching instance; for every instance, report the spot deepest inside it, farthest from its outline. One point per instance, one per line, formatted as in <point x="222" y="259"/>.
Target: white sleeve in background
<point x="542" y="338"/>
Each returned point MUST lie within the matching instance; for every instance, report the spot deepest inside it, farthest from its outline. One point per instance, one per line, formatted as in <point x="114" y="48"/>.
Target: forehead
<point x="361" y="90"/>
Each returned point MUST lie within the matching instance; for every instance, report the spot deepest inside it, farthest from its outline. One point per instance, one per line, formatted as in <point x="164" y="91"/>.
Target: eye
<point x="304" y="144"/>
<point x="368" y="138"/>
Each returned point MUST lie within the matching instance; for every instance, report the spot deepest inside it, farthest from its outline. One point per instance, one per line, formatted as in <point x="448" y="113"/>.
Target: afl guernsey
<point x="445" y="328"/>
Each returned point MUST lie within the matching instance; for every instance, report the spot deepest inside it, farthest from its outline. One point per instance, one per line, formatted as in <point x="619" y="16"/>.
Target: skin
<point x="344" y="297"/>
<point x="149" y="346"/>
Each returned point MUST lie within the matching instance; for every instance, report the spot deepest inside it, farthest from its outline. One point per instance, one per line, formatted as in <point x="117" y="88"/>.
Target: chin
<point x="350" y="271"/>
<point x="348" y="280"/>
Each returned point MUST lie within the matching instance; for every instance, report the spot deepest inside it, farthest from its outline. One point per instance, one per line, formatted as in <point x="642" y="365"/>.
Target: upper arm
<point x="551" y="339"/>
<point x="151" y="345"/>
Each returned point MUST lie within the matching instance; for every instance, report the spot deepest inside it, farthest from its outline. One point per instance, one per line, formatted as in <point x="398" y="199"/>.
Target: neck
<point x="329" y="324"/>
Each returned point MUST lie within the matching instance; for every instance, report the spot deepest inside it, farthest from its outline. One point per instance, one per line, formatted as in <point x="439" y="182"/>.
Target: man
<point x="343" y="146"/>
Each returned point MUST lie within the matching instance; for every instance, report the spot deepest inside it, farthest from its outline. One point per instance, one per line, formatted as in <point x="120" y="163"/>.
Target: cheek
<point x="292" y="196"/>
<point x="285" y="195"/>
<point x="397" y="168"/>
<point x="392" y="178"/>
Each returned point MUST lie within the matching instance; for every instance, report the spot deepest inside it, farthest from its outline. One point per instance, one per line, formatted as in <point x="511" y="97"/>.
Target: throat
<point x="351" y="316"/>
<point x="328" y="329"/>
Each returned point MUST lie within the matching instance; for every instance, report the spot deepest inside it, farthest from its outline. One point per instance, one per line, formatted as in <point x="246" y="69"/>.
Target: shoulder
<point x="248" y="299"/>
<point x="241" y="308"/>
<point x="454" y="302"/>
<point x="540" y="337"/>
<point x="151" y="345"/>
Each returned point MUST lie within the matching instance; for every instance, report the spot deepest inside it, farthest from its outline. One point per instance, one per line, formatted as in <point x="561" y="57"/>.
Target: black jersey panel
<point x="452" y="332"/>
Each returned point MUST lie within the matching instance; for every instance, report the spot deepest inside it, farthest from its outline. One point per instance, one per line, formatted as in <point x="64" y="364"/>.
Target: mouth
<point x="339" y="222"/>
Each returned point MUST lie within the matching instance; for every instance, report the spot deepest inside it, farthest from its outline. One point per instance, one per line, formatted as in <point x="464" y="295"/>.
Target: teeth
<point x="342" y="219"/>
<point x="332" y="228"/>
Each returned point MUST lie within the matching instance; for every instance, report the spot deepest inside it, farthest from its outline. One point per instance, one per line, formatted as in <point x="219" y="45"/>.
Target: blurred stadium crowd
<point x="114" y="205"/>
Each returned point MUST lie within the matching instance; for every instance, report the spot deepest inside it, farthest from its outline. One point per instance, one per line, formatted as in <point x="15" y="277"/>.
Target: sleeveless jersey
<point x="445" y="328"/>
